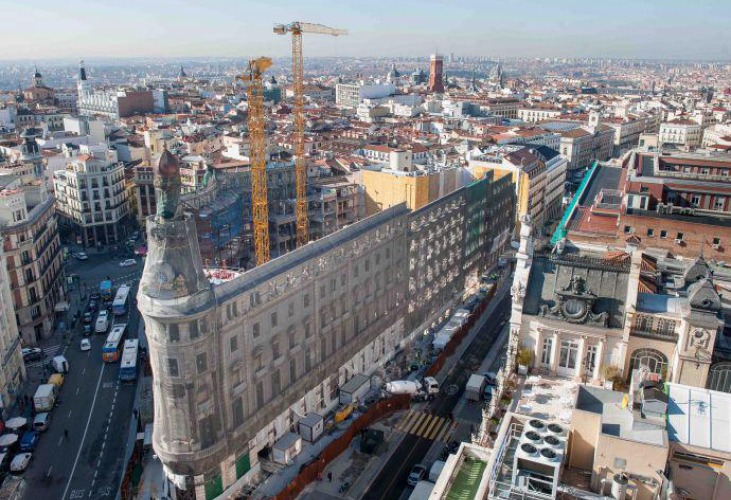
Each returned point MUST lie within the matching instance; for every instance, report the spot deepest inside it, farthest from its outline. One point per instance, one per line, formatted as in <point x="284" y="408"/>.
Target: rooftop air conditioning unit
<point x="678" y="240"/>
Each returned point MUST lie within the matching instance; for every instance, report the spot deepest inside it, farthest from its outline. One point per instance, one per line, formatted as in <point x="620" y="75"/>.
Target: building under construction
<point x="239" y="357"/>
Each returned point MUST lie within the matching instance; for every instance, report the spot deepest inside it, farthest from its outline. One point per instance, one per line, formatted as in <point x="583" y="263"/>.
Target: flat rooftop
<point x="617" y="421"/>
<point x="546" y="397"/>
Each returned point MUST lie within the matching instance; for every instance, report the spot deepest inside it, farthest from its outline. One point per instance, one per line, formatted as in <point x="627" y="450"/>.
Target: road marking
<point x="77" y="390"/>
<point x="86" y="429"/>
<point x="69" y="413"/>
<point x="83" y="371"/>
<point x="60" y="440"/>
<point x="48" y="474"/>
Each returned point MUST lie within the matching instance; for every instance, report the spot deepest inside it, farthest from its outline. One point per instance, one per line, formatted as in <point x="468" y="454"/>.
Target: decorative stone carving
<point x="699" y="339"/>
<point x="574" y="304"/>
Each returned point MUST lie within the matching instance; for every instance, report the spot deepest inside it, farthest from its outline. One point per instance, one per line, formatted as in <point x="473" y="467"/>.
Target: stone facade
<point x="238" y="362"/>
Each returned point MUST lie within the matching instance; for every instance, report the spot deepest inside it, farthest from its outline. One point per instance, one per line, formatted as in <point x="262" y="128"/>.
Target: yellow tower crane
<point x="300" y="169"/>
<point x="257" y="123"/>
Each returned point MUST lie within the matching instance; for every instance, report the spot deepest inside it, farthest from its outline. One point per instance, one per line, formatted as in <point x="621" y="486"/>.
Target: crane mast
<point x="300" y="167"/>
<point x="257" y="124"/>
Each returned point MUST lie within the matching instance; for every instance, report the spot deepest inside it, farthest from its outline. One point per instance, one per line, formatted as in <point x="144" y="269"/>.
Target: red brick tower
<point x="436" y="82"/>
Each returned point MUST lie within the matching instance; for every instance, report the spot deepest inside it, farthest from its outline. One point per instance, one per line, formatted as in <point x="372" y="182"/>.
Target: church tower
<point x="37" y="79"/>
<point x="82" y="86"/>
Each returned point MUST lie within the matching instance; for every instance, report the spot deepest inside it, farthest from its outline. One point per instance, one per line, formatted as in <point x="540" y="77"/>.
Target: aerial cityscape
<point x="413" y="251"/>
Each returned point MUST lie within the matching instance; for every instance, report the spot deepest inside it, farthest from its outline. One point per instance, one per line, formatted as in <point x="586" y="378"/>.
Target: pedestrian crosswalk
<point x="48" y="353"/>
<point x="425" y="425"/>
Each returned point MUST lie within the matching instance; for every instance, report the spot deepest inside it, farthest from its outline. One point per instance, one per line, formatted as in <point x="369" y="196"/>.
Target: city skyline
<point x="165" y="29"/>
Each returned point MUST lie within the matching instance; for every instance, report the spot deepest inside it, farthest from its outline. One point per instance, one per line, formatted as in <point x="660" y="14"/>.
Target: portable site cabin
<point x="311" y="427"/>
<point x="288" y="447"/>
<point x="355" y="389"/>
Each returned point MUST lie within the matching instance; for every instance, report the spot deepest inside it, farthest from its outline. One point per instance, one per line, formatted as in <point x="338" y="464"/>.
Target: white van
<point x="60" y="364"/>
<point x="102" y="322"/>
<point x="40" y="423"/>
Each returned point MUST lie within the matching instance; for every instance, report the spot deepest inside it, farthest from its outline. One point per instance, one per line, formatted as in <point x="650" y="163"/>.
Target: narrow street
<point x="391" y="482"/>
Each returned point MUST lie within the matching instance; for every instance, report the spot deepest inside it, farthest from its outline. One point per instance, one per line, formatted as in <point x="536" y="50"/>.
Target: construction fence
<point x="314" y="469"/>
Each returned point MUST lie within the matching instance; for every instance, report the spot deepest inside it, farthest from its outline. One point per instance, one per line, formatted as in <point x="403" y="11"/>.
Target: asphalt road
<point x="391" y="481"/>
<point x="94" y="407"/>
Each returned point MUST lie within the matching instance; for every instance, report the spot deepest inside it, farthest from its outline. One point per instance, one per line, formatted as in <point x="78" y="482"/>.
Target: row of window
<point x="664" y="234"/>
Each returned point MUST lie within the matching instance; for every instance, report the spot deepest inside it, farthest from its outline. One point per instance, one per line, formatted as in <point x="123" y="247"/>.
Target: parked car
<point x="87" y="317"/>
<point x="94" y="296"/>
<point x="136" y="234"/>
<point x="417" y="473"/>
<point x="81" y="256"/>
<point x="20" y="462"/>
<point x="127" y="263"/>
<point x="40" y="423"/>
<point x="31" y="353"/>
<point x="92" y="305"/>
<point x="29" y="441"/>
<point x="87" y="328"/>
<point x="490" y="378"/>
<point x="85" y="345"/>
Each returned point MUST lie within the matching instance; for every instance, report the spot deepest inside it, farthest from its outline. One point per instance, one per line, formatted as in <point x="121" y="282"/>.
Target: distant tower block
<point x="436" y="66"/>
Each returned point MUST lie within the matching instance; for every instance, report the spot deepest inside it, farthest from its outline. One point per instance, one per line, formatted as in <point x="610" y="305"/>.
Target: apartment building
<point x="683" y="133"/>
<point x="32" y="250"/>
<point x="91" y="198"/>
<point x="12" y="369"/>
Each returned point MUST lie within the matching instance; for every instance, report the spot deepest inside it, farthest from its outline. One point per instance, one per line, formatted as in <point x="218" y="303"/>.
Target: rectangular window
<point x="238" y="412"/>
<point x="234" y="343"/>
<point x="258" y="361"/>
<point x="333" y="284"/>
<point x="355" y="270"/>
<point x="194" y="329"/>
<point x="174" y="332"/>
<point x="306" y="301"/>
<point x="290" y="309"/>
<point x="292" y="371"/>
<point x="679" y="237"/>
<point x="307" y="330"/>
<point x="342" y="279"/>
<point x="274" y="319"/>
<point x="367" y="265"/>
<point x="322" y="291"/>
<point x="275" y="350"/>
<point x="663" y="233"/>
<point x="323" y="349"/>
<point x="259" y="394"/>
<point x="255" y="331"/>
<point x="276" y="383"/>
<point x="546" y="352"/>
<point x="173" y="367"/>
<point x="292" y="336"/>
<point x="627" y="229"/>
<point x="650" y="232"/>
<point x="201" y="362"/>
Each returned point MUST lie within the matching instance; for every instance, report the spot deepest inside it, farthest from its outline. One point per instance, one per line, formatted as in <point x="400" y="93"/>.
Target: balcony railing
<point x="653" y="333"/>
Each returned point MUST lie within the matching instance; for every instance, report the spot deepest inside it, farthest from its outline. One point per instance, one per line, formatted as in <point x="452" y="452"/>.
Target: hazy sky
<point x="47" y="29"/>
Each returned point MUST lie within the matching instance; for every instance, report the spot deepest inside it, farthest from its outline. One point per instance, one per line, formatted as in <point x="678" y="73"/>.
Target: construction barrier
<point x="315" y="468"/>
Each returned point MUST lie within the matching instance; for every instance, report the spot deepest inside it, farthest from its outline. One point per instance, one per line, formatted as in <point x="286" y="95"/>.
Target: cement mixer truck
<point x="420" y="390"/>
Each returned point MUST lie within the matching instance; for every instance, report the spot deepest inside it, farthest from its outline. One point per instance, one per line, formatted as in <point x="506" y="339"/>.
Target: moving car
<point x="87" y="317"/>
<point x="31" y="353"/>
<point x="20" y="462"/>
<point x="92" y="305"/>
<point x="127" y="263"/>
<point x="82" y="256"/>
<point x="417" y="473"/>
<point x="85" y="345"/>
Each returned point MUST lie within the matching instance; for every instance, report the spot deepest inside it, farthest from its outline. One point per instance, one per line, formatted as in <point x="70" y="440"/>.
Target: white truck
<point x="475" y="386"/>
<point x="425" y="389"/>
<point x="102" y="322"/>
<point x="44" y="397"/>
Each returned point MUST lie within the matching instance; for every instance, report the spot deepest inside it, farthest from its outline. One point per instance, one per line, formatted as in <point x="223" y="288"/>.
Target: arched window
<point x="654" y="360"/>
<point x="719" y="377"/>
